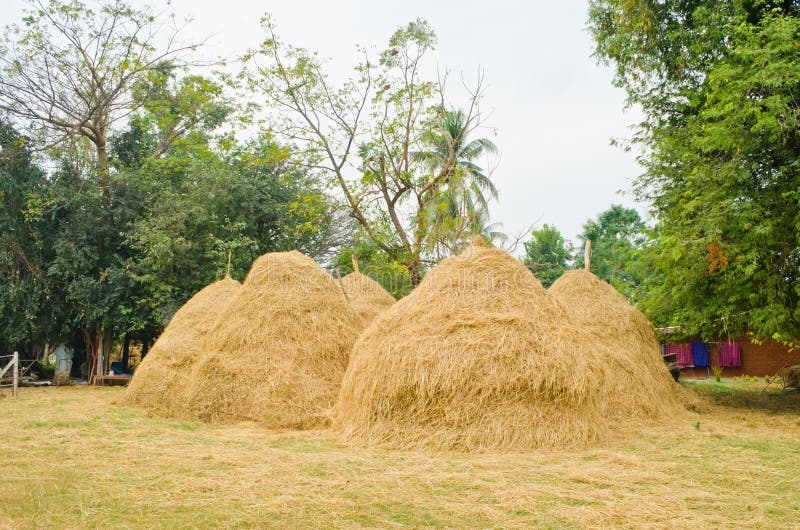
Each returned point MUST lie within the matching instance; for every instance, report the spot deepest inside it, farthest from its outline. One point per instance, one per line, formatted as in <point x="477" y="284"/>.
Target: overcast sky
<point x="553" y="108"/>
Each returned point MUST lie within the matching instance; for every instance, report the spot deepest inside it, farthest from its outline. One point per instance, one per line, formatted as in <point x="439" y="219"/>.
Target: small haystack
<point x="481" y="356"/>
<point x="597" y="306"/>
<point x="160" y="380"/>
<point x="277" y="353"/>
<point x="630" y="337"/>
<point x="366" y="296"/>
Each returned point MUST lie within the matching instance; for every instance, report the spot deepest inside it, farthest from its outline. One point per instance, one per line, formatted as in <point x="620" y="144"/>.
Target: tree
<point x="247" y="204"/>
<point x="69" y="71"/>
<point x="381" y="118"/>
<point x="718" y="84"/>
<point x="736" y="242"/>
<point x="616" y="236"/>
<point x="462" y="209"/>
<point x="67" y="76"/>
<point x="547" y="254"/>
<point x="23" y="298"/>
<point x="204" y="197"/>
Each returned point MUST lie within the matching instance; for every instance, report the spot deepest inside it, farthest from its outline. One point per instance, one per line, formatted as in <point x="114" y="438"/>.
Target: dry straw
<point x="595" y="305"/>
<point x="160" y="380"/>
<point x="277" y="353"/>
<point x="480" y="357"/>
<point x="601" y="309"/>
<point x="366" y="296"/>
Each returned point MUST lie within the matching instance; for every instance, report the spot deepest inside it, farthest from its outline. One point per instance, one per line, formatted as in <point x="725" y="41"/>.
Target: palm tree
<point x="462" y="208"/>
<point x="467" y="178"/>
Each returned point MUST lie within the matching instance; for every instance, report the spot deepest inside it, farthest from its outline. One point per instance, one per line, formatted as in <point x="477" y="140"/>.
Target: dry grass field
<point x="70" y="458"/>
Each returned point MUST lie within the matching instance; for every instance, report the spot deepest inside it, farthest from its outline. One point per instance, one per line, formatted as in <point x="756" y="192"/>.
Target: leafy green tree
<point x="375" y="263"/>
<point x="252" y="203"/>
<point x="718" y="83"/>
<point x="547" y="254"/>
<point x="23" y="245"/>
<point x="204" y="197"/>
<point x="736" y="241"/>
<point x="68" y="74"/>
<point x="616" y="236"/>
<point x="364" y="135"/>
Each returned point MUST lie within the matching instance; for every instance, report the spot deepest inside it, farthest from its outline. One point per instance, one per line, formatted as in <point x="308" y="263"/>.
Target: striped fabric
<point x="730" y="354"/>
<point x="683" y="353"/>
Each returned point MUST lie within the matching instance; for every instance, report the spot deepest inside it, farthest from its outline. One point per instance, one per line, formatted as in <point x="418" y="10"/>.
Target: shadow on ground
<point x="753" y="395"/>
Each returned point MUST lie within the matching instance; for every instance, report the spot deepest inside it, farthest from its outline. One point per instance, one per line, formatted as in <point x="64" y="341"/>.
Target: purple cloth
<point x="730" y="354"/>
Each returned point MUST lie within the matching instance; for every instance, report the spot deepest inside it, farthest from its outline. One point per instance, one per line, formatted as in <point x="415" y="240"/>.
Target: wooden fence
<point x="12" y="365"/>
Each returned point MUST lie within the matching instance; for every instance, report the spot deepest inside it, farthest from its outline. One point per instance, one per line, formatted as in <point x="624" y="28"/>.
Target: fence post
<point x="587" y="256"/>
<point x="15" y="360"/>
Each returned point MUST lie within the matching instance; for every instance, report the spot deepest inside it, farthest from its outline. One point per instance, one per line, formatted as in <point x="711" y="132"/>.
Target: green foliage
<point x="719" y="85"/>
<point x="547" y="254"/>
<point x="616" y="236"/>
<point x="23" y="296"/>
<point x="375" y="263"/>
<point x="248" y="204"/>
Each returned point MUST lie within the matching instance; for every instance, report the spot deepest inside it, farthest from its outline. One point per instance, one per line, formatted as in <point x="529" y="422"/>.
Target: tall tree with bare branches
<point x="366" y="132"/>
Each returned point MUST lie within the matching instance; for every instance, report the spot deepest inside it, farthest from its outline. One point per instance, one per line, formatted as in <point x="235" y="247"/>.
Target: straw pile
<point x="366" y="296"/>
<point x="480" y="356"/>
<point x="277" y="353"/>
<point x="597" y="306"/>
<point x="161" y="379"/>
<point x="624" y="330"/>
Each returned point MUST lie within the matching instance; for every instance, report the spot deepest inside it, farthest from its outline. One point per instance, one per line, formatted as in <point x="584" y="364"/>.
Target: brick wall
<point x="762" y="359"/>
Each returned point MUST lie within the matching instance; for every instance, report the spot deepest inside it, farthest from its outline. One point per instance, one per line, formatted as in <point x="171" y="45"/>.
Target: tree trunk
<point x="102" y="349"/>
<point x="107" y="342"/>
<point x="104" y="173"/>
<point x="145" y="347"/>
<point x="126" y="345"/>
<point x="414" y="272"/>
<point x="98" y="353"/>
<point x="91" y="356"/>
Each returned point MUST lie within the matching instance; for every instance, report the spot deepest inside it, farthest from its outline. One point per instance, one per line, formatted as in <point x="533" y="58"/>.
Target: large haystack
<point x="481" y="356"/>
<point x="366" y="296"/>
<point x="160" y="380"/>
<point x="277" y="353"/>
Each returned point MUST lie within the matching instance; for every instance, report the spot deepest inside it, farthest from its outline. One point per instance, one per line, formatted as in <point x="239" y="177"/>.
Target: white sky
<point x="553" y="108"/>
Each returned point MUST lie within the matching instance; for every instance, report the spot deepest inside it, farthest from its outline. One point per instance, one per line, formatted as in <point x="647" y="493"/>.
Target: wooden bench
<point x="100" y="380"/>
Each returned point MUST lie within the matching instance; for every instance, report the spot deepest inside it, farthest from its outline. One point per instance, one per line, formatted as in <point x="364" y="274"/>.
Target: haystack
<point x="598" y="307"/>
<point x="627" y="334"/>
<point x="367" y="296"/>
<point x="277" y="354"/>
<point x="480" y="356"/>
<point x="160" y="381"/>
